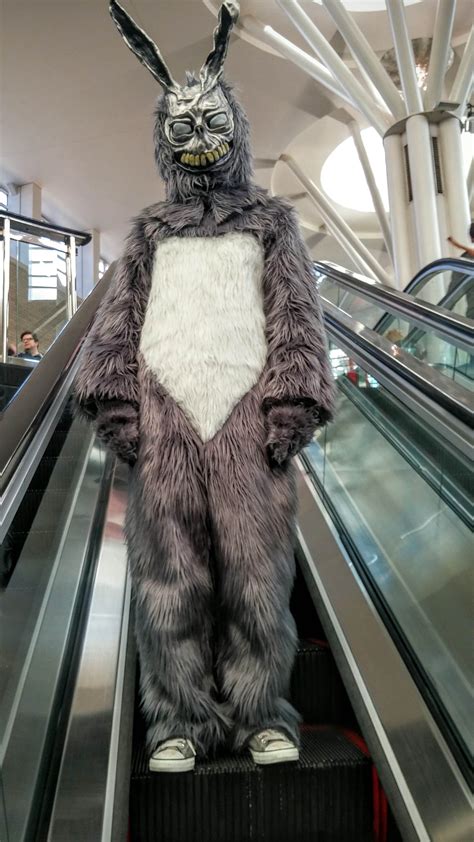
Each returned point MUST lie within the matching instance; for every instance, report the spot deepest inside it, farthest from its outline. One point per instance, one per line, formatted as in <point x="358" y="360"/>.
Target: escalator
<point x="380" y="600"/>
<point x="445" y="291"/>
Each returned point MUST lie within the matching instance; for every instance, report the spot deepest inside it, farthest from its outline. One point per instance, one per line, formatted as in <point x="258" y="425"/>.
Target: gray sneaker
<point x="176" y="755"/>
<point x="271" y="746"/>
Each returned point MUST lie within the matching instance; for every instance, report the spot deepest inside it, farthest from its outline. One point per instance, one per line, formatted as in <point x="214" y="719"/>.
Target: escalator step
<point x="317" y="690"/>
<point x="326" y="795"/>
<point x="44" y="477"/>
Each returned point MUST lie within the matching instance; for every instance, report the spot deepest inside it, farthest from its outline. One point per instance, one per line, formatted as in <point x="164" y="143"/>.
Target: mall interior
<point x="361" y="115"/>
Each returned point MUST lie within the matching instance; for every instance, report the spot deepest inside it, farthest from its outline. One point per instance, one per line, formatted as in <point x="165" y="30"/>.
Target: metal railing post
<point x="71" y="294"/>
<point x="5" y="285"/>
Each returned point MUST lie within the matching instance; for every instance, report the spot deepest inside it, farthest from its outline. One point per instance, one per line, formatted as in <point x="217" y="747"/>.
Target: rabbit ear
<point x="146" y="51"/>
<point x="213" y="66"/>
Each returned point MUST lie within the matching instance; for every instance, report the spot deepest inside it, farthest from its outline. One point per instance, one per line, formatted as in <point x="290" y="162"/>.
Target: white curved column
<point x="439" y="52"/>
<point x="364" y="102"/>
<point x="420" y="156"/>
<point x="367" y="58"/>
<point x="342" y="231"/>
<point x="288" y="50"/>
<point x="399" y="211"/>
<point x="454" y="179"/>
<point x="405" y="57"/>
<point x="372" y="185"/>
<point x="462" y="84"/>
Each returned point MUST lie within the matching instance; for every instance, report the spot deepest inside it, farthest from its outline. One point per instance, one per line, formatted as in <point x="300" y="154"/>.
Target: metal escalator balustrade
<point x="53" y="481"/>
<point x="394" y="470"/>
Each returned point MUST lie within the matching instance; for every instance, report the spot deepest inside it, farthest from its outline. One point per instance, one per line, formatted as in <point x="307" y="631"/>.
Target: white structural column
<point x="339" y="70"/>
<point x="399" y="211"/>
<point x="420" y="156"/>
<point x="454" y="179"/>
<point x="26" y="200"/>
<point x="462" y="84"/>
<point x="439" y="52"/>
<point x="363" y="52"/>
<point x="470" y="183"/>
<point x="341" y="230"/>
<point x="372" y="185"/>
<point x="288" y="50"/>
<point x="405" y="57"/>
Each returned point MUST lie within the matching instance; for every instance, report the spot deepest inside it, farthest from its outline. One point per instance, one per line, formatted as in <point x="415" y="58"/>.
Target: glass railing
<point x="401" y="498"/>
<point x="449" y="283"/>
<point x="450" y="355"/>
<point x="39" y="291"/>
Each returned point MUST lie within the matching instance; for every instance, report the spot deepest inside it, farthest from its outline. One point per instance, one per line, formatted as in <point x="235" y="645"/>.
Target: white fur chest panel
<point x="204" y="329"/>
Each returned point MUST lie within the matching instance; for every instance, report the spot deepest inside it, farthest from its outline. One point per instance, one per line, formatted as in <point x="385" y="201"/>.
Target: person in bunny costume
<point x="206" y="369"/>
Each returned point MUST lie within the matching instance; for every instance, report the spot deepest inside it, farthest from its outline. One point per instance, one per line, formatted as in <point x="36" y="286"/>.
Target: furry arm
<point x="106" y="387"/>
<point x="117" y="427"/>
<point x="299" y="388"/>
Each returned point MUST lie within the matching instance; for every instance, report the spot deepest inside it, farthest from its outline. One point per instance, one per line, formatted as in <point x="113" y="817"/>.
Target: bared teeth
<point x="203" y="158"/>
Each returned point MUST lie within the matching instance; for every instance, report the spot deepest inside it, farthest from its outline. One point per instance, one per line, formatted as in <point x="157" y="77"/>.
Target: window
<point x="3" y="198"/>
<point x="46" y="272"/>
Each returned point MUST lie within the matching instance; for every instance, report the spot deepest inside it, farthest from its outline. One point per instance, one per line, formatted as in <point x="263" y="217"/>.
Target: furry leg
<point x="252" y="512"/>
<point x="168" y="544"/>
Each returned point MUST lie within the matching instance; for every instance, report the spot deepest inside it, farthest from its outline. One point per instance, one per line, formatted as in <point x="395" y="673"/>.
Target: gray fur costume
<point x="206" y="369"/>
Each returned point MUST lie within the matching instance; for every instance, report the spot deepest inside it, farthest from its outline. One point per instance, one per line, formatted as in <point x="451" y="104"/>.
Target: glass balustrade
<point x="454" y="362"/>
<point x="39" y="292"/>
<point x="402" y="500"/>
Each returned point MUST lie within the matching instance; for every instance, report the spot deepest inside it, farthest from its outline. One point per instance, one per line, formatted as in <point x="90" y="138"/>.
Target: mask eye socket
<point x="217" y="121"/>
<point x="181" y="129"/>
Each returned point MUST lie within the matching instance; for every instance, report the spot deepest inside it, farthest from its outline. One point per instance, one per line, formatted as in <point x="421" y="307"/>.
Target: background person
<point x="31" y="345"/>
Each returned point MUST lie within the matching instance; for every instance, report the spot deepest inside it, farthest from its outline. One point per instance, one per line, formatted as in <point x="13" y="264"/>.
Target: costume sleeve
<point x="108" y="367"/>
<point x="298" y="368"/>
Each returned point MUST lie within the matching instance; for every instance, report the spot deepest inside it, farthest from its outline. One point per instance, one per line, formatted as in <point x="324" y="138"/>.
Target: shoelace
<point x="271" y="735"/>
<point x="178" y="744"/>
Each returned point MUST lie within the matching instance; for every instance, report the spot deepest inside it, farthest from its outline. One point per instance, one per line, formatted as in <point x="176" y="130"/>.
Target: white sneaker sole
<point x="185" y="765"/>
<point x="266" y="758"/>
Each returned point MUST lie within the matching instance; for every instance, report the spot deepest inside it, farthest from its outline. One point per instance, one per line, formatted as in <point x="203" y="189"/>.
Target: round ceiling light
<point x="342" y="176"/>
<point x="343" y="179"/>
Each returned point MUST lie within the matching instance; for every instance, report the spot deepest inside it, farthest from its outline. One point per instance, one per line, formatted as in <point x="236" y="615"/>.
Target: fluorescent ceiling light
<point x="342" y="176"/>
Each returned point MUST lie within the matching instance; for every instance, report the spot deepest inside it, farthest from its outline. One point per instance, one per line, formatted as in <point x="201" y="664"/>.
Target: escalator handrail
<point x="20" y="420"/>
<point x="39" y="228"/>
<point x="428" y="381"/>
<point x="449" y="326"/>
<point x="445" y="264"/>
<point x="447" y="302"/>
<point x="450" y="264"/>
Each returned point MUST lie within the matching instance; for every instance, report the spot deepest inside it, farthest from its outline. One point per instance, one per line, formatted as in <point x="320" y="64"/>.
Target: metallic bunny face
<point x="199" y="127"/>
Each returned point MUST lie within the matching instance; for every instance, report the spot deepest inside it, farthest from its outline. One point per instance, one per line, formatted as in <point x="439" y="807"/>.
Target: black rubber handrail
<point x="40" y="229"/>
<point x="450" y="264"/>
<point x="447" y="302"/>
<point x="22" y="417"/>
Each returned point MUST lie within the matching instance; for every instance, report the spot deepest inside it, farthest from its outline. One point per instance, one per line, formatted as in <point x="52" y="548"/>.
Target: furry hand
<point x="290" y="427"/>
<point x="117" y="427"/>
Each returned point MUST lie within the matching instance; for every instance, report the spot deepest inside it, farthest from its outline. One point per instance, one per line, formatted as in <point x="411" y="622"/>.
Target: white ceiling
<point x="76" y="107"/>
